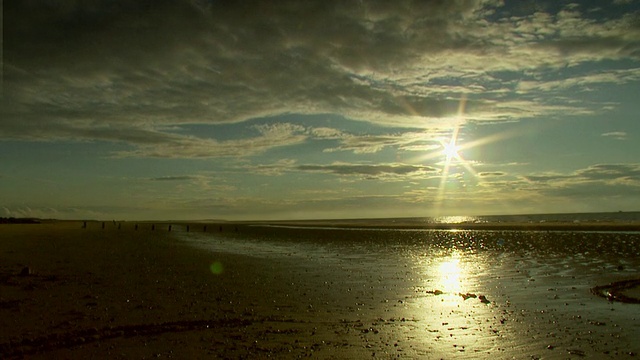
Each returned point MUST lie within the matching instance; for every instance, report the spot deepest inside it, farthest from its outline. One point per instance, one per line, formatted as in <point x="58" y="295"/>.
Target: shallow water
<point x="418" y="292"/>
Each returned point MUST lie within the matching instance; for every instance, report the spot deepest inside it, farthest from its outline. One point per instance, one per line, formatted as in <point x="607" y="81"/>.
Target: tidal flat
<point x="242" y="290"/>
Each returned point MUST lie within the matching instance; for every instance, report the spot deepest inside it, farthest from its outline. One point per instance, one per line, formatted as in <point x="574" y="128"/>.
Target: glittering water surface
<point x="453" y="292"/>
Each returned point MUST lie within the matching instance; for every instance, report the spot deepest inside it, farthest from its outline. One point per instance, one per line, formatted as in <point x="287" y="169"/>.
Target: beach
<point x="241" y="290"/>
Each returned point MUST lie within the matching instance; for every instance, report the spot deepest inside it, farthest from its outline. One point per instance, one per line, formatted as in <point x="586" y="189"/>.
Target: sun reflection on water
<point x="450" y="275"/>
<point x="456" y="219"/>
<point x="452" y="303"/>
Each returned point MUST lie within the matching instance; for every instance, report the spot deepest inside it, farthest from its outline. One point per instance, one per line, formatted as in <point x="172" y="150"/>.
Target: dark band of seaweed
<point x="615" y="291"/>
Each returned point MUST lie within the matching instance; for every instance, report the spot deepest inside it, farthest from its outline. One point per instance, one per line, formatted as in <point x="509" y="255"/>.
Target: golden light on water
<point x="450" y="275"/>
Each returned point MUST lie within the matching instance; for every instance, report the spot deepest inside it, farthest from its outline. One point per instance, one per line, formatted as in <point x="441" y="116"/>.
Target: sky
<point x="258" y="110"/>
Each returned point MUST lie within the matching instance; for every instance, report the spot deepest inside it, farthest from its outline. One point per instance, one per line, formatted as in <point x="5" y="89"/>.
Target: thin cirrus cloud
<point x="377" y="170"/>
<point x="175" y="178"/>
<point x="599" y="172"/>
<point x="116" y="71"/>
<point x="181" y="146"/>
<point x="272" y="136"/>
<point x="618" y="135"/>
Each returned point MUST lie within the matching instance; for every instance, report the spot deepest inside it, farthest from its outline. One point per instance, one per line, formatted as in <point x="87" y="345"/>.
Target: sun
<point x="450" y="150"/>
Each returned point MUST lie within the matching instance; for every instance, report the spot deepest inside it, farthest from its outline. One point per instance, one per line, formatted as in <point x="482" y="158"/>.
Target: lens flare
<point x="216" y="268"/>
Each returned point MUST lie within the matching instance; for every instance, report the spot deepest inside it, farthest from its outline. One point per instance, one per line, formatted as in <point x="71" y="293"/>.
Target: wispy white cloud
<point x="604" y="173"/>
<point x="618" y="135"/>
<point x="583" y="82"/>
<point x="180" y="146"/>
<point x="408" y="141"/>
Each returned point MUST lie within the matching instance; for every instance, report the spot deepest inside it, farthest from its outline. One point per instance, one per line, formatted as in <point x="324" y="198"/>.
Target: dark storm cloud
<point x="121" y="70"/>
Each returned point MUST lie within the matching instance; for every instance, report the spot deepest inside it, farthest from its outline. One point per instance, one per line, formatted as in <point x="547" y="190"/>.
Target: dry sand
<point x="68" y="292"/>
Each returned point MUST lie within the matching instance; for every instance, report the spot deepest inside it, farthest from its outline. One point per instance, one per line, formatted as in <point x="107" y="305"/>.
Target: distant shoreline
<point x="604" y="226"/>
<point x="367" y="224"/>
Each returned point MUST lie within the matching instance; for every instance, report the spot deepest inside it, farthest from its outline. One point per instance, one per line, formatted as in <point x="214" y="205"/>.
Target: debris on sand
<point x="467" y="295"/>
<point x="26" y="271"/>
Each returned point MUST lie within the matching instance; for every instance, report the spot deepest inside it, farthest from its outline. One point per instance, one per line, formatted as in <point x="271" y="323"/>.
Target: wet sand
<point x="256" y="292"/>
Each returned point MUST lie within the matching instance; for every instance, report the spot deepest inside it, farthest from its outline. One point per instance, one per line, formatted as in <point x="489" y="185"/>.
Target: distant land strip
<point x="12" y="220"/>
<point x="516" y="226"/>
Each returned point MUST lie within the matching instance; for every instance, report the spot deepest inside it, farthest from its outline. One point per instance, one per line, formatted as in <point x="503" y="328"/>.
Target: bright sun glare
<point x="450" y="150"/>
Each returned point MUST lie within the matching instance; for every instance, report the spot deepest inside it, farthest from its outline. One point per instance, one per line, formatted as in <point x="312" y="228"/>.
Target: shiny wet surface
<point x="444" y="293"/>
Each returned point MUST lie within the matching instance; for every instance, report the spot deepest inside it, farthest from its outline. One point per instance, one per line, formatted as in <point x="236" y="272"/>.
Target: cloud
<point x="174" y="178"/>
<point x="123" y="70"/>
<point x="618" y="135"/>
<point x="180" y="146"/>
<point x="491" y="174"/>
<point x="370" y="171"/>
<point x="602" y="173"/>
<point x="407" y="141"/>
<point x="275" y="169"/>
<point x="584" y="82"/>
<point x="611" y="172"/>
<point x="545" y="178"/>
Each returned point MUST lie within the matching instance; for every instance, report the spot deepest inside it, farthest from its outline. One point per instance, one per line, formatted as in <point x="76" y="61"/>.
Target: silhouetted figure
<point x="119" y="225"/>
<point x="187" y="228"/>
<point x="220" y="228"/>
<point x="169" y="227"/>
<point x="136" y="226"/>
<point x="153" y="226"/>
<point x="84" y="225"/>
<point x="103" y="224"/>
<point x="205" y="228"/>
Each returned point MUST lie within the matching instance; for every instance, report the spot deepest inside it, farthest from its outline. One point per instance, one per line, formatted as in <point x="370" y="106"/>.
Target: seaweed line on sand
<point x="27" y="346"/>
<point x="615" y="291"/>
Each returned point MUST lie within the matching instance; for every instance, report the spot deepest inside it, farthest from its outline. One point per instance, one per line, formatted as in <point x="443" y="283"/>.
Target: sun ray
<point x="449" y="147"/>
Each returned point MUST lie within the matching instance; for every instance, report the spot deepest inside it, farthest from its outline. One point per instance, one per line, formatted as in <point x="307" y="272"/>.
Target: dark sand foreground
<point x="68" y="292"/>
